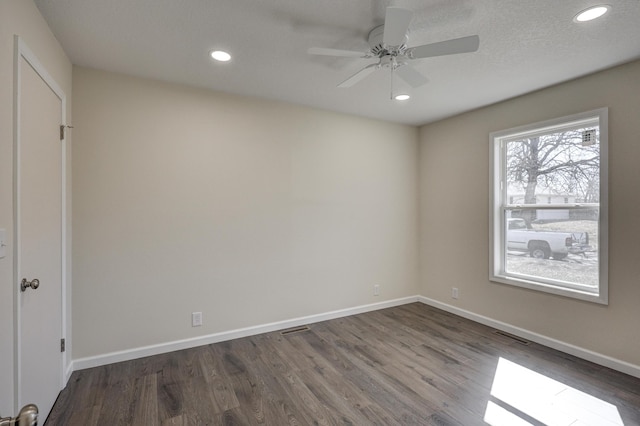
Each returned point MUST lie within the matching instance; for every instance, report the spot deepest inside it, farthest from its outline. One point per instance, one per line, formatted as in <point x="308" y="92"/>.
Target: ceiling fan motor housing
<point x="378" y="47"/>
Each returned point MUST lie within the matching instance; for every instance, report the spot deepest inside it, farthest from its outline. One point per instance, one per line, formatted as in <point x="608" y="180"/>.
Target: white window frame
<point x="498" y="201"/>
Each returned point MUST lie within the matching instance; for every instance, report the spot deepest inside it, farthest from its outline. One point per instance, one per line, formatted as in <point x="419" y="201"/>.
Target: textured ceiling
<point x="524" y="45"/>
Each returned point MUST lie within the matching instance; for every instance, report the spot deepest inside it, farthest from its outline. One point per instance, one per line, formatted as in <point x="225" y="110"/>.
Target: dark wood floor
<point x="406" y="365"/>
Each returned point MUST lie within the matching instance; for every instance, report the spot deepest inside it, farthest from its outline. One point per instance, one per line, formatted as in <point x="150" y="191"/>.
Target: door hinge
<point x="63" y="131"/>
<point x="62" y="345"/>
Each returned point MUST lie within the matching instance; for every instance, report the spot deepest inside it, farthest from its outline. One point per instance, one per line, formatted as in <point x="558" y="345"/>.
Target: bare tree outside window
<point x="562" y="163"/>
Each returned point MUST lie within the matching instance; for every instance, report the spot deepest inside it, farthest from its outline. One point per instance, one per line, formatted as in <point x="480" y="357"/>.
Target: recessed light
<point x="220" y="55"/>
<point x="401" y="97"/>
<point x="592" y="13"/>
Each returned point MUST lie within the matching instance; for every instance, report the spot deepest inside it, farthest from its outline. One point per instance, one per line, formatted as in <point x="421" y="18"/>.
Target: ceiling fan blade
<point x="449" y="47"/>
<point x="396" y="24"/>
<point x="411" y="76"/>
<point x="359" y="76"/>
<point x="336" y="52"/>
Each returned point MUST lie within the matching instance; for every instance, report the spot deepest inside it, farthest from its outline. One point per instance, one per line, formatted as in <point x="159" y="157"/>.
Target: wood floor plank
<point x="118" y="404"/>
<point x="250" y="397"/>
<point x="197" y="401"/>
<point x="316" y="411"/>
<point x="386" y="391"/>
<point x="407" y="365"/>
<point x="332" y="389"/>
<point x="170" y="397"/>
<point x="146" y="400"/>
<point x="84" y="417"/>
<point x="266" y="392"/>
<point x="175" y="421"/>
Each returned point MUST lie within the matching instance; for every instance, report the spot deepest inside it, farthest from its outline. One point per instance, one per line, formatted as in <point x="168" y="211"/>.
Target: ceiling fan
<point x="388" y="43"/>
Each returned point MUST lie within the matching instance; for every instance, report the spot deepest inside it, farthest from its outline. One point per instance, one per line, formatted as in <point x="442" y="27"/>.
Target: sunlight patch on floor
<point x="520" y="394"/>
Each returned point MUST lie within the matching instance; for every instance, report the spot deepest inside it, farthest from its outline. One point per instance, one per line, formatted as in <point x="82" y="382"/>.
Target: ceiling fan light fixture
<point x="402" y="97"/>
<point x="220" y="55"/>
<point x="592" y="13"/>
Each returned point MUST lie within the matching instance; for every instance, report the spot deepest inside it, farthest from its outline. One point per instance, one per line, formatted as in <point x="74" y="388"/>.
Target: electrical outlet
<point x="196" y="319"/>
<point x="454" y="292"/>
<point x="376" y="290"/>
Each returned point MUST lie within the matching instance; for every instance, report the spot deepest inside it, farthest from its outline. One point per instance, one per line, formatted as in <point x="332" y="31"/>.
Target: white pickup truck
<point x="544" y="244"/>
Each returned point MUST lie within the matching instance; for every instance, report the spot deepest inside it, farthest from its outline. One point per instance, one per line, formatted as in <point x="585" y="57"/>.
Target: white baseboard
<point x="607" y="361"/>
<point x="67" y="373"/>
<point x="135" y="353"/>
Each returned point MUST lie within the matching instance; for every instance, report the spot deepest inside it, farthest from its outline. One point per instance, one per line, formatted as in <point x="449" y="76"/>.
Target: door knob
<point x="34" y="284"/>
<point x="28" y="416"/>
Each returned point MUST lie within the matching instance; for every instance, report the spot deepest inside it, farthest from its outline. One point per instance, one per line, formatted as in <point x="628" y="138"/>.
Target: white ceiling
<point x="524" y="45"/>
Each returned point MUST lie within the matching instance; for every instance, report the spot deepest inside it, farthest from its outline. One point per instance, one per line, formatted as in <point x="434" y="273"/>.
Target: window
<point x="548" y="218"/>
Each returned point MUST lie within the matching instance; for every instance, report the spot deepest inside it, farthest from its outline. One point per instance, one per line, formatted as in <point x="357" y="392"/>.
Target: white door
<point x="39" y="209"/>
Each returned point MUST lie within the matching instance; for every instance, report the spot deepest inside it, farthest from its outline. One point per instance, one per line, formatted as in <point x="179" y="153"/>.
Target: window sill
<point x="551" y="289"/>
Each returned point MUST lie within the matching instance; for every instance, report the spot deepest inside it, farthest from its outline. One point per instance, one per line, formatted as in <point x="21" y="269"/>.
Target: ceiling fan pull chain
<point x="393" y="69"/>
<point x="391" y="84"/>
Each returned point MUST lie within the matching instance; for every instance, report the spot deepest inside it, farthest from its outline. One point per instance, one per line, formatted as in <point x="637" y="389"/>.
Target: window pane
<point x="560" y="167"/>
<point x="549" y="206"/>
<point x="559" y="245"/>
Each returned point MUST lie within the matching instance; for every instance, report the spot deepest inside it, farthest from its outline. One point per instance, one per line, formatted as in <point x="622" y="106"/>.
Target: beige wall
<point x="19" y="17"/>
<point x="454" y="197"/>
<point x="247" y="210"/>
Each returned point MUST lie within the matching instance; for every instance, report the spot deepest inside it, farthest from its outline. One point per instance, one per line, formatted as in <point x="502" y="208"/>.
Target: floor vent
<point x="294" y="330"/>
<point x="512" y="337"/>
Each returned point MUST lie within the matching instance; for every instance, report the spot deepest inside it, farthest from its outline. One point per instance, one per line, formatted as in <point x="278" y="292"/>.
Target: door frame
<point x="22" y="51"/>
